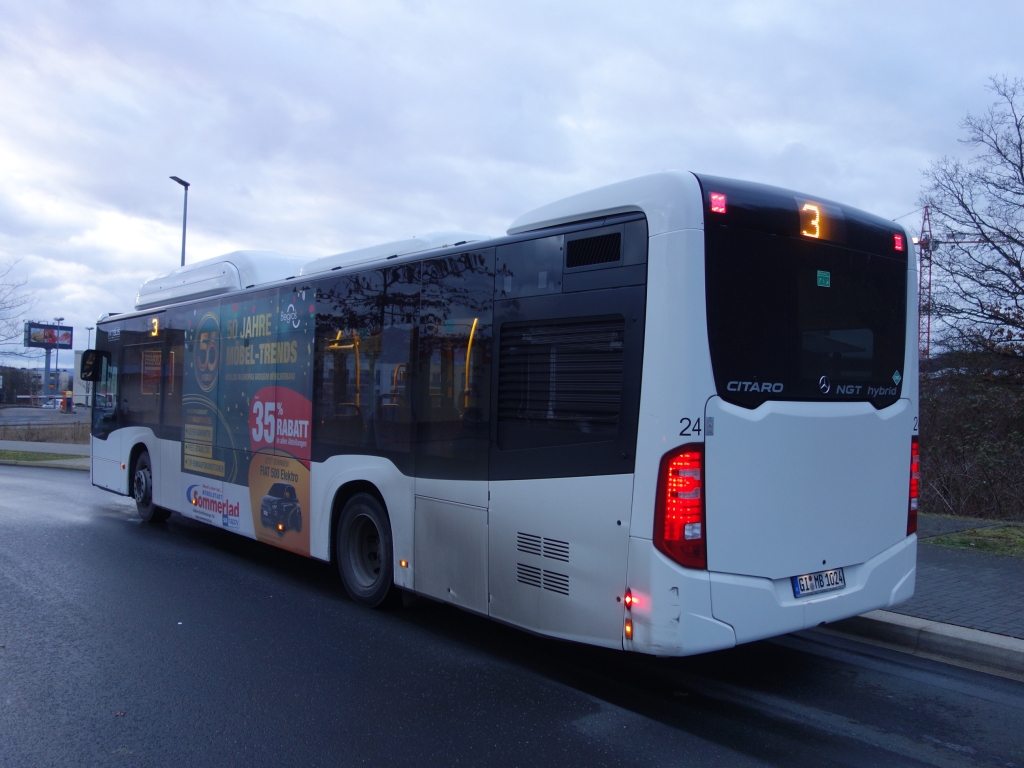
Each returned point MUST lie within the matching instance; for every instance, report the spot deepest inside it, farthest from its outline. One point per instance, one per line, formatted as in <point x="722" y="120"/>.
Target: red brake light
<point x="897" y="242"/>
<point x="915" y="484"/>
<point x="679" y="530"/>
<point x="717" y="202"/>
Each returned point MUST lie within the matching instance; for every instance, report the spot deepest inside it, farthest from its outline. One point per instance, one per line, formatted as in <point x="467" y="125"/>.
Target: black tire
<point x="295" y="520"/>
<point x="364" y="551"/>
<point x="142" y="490"/>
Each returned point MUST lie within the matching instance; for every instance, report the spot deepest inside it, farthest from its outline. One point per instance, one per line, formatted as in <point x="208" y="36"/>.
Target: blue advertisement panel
<point x="247" y="413"/>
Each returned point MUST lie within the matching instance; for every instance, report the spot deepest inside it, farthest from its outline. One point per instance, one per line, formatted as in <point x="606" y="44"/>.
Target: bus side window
<point x="400" y="308"/>
<point x="529" y="268"/>
<point x="140" y="394"/>
<point x="174" y="368"/>
<point x="348" y="346"/>
<point x="454" y="366"/>
<point x="364" y="332"/>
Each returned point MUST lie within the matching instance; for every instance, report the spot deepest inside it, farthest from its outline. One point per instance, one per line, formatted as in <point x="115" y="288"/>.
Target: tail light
<point x="679" y="530"/>
<point x="915" y="484"/>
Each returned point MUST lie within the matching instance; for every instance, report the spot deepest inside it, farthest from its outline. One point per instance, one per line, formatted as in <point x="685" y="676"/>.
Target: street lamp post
<point x="56" y="347"/>
<point x="184" y="216"/>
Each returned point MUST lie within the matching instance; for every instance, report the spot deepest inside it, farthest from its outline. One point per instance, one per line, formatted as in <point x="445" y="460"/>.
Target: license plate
<point x="822" y="581"/>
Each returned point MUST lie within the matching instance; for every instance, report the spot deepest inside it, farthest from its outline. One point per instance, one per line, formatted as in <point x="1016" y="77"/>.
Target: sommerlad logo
<point x="211" y="501"/>
<point x="291" y="316"/>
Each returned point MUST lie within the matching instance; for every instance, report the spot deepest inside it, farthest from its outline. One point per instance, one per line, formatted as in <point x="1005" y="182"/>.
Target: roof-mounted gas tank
<point x="212" y="277"/>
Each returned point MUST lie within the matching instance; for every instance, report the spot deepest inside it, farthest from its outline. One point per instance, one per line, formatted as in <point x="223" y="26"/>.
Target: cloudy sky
<point x="311" y="128"/>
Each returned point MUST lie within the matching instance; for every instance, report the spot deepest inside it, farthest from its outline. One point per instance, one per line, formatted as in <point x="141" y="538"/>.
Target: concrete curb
<point x="985" y="651"/>
<point x="81" y="464"/>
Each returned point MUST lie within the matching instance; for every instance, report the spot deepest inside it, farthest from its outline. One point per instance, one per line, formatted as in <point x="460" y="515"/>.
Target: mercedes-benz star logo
<point x="824" y="385"/>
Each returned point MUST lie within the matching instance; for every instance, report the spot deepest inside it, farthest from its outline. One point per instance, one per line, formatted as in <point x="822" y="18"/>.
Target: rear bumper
<point x="758" y="608"/>
<point x="682" y="612"/>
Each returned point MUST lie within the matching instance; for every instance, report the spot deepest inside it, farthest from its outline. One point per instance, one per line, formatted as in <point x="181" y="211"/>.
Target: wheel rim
<point x="364" y="551"/>
<point x="142" y="485"/>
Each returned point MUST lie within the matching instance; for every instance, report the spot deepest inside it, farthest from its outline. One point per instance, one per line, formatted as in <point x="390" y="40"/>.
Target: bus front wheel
<point x="142" y="491"/>
<point x="364" y="550"/>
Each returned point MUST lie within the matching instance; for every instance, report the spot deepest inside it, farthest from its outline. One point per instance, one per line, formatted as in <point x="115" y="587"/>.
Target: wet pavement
<point x="123" y="643"/>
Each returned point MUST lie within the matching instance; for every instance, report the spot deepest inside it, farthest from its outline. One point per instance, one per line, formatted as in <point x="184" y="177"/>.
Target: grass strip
<point x="34" y="456"/>
<point x="1001" y="540"/>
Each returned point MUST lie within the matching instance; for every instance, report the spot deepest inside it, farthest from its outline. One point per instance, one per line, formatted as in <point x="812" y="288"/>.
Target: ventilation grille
<point x="532" y="544"/>
<point x="588" y="251"/>
<point x="556" y="550"/>
<point x="527" y="542"/>
<point x="560" y="382"/>
<point x="528" y="574"/>
<point x="532" y="576"/>
<point x="556" y="582"/>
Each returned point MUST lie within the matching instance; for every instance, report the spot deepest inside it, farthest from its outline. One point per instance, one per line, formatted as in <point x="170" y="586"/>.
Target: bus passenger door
<point x="452" y="386"/>
<point x="106" y="439"/>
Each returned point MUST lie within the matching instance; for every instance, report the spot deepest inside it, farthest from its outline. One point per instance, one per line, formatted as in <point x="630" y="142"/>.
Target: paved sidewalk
<point x="969" y="589"/>
<point x="22" y="445"/>
<point x="80" y="454"/>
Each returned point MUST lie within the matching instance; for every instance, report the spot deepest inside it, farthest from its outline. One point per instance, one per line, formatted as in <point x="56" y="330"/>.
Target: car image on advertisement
<point x="280" y="509"/>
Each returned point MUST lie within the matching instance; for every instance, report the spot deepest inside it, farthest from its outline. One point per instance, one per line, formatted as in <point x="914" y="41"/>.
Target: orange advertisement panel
<point x="279" y="497"/>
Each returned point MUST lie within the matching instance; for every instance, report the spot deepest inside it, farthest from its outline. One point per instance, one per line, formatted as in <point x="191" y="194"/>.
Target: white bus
<point x="668" y="415"/>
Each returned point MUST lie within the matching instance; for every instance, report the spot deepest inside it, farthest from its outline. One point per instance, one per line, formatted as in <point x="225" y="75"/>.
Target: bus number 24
<point x="689" y="427"/>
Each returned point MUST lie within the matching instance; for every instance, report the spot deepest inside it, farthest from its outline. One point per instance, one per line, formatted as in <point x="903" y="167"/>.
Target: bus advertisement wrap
<point x="247" y="413"/>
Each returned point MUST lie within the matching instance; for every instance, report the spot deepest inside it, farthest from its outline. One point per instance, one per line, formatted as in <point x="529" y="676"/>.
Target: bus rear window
<point x="792" y="319"/>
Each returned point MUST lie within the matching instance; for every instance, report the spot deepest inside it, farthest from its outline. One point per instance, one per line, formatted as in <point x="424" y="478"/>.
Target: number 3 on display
<point x="815" y="222"/>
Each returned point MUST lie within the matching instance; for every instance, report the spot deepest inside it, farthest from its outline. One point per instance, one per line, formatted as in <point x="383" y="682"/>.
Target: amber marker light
<point x="280" y="526"/>
<point x="404" y="563"/>
<point x="629" y="629"/>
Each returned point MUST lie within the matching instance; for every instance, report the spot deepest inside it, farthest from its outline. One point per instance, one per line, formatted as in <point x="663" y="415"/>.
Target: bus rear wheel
<point x="142" y="491"/>
<point x="364" y="551"/>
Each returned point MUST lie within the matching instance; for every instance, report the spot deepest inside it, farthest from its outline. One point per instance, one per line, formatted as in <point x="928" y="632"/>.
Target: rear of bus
<point x="781" y="347"/>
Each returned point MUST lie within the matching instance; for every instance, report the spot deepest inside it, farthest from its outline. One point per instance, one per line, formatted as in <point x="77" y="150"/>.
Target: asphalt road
<point x="123" y="643"/>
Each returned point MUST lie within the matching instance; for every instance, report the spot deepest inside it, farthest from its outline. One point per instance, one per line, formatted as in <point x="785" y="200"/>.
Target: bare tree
<point x="977" y="207"/>
<point x="14" y="303"/>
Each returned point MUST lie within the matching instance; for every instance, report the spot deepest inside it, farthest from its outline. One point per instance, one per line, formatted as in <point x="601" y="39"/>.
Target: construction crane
<point x="925" y="247"/>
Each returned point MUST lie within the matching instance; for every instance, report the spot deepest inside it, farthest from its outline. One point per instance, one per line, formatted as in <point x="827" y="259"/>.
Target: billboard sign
<point x="47" y="336"/>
